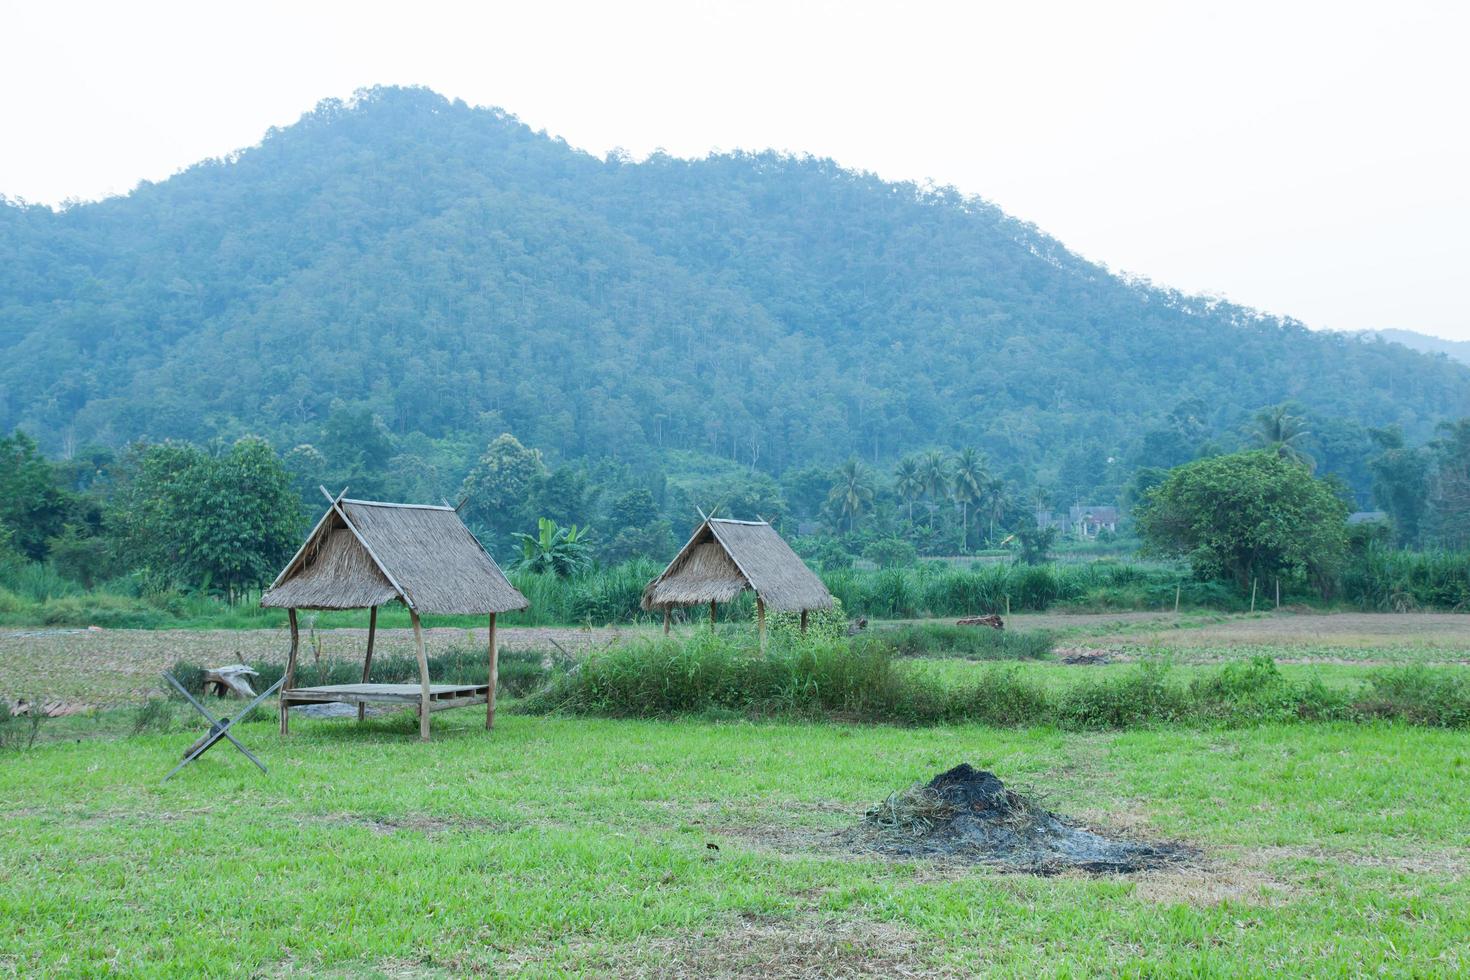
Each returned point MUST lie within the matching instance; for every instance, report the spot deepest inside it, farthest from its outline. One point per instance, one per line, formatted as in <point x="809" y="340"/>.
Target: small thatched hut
<point x="364" y="553"/>
<point x="724" y="558"/>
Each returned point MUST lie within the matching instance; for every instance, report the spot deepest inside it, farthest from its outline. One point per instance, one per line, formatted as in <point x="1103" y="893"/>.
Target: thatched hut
<point x="364" y="553"/>
<point x="725" y="558"/>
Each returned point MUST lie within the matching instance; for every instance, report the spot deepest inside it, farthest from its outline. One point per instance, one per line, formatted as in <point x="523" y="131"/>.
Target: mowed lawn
<point x="584" y="846"/>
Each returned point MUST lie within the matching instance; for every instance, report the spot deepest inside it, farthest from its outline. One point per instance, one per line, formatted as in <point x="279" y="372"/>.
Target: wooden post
<point x="1278" y="592"/>
<point x="418" y="645"/>
<point x="1253" y="595"/>
<point x="760" y="618"/>
<point x="803" y="622"/>
<point x="712" y="615"/>
<point x="367" y="661"/>
<point x="667" y="614"/>
<point x="290" y="671"/>
<point x="1177" y="587"/>
<point x="494" y="677"/>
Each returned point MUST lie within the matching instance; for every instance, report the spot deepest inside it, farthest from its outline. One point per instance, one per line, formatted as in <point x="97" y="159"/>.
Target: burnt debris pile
<point x="969" y="814"/>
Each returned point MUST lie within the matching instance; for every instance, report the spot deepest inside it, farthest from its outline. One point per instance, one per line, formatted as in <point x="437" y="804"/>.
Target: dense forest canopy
<point x="392" y="282"/>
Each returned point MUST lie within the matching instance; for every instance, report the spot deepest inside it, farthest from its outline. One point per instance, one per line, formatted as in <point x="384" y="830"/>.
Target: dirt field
<point x="100" y="667"/>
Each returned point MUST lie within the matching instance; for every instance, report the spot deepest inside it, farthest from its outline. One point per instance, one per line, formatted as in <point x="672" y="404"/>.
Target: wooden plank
<point x="290" y="669"/>
<point x="494" y="676"/>
<point x="367" y="661"/>
<point x="418" y="646"/>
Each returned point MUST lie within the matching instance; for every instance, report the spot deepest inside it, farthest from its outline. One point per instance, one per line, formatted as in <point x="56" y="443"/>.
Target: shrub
<point x="1256" y="691"/>
<point x="1418" y="695"/>
<point x="822" y="625"/>
<point x="1139" y="697"/>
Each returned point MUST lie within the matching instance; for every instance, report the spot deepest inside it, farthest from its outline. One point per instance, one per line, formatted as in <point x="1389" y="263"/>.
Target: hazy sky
<point x="1309" y="159"/>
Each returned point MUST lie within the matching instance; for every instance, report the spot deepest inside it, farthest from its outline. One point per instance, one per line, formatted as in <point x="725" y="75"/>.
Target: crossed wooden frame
<point x="219" y="729"/>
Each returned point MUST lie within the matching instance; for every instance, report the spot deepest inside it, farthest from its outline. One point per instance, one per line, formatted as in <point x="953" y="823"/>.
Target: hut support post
<point x="290" y="671"/>
<point x="803" y="622"/>
<point x="667" y="614"/>
<point x="418" y="646"/>
<point x="760" y="617"/>
<point x="367" y="661"/>
<point x="494" y="677"/>
<point x="712" y="615"/>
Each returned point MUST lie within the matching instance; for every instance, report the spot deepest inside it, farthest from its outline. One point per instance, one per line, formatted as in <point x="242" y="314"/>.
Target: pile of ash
<point x="968" y="813"/>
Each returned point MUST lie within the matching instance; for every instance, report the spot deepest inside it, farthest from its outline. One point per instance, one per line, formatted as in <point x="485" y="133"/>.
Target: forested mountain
<point x="1455" y="350"/>
<point x="454" y="274"/>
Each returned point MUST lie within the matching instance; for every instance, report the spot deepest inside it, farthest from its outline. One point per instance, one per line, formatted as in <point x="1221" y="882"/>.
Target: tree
<point x="934" y="475"/>
<point x="498" y="489"/>
<point x="223" y="523"/>
<point x="638" y="532"/>
<point x="1245" y="516"/>
<point x="1400" y="482"/>
<point x="562" y="551"/>
<point x="971" y="476"/>
<point x="1449" y="486"/>
<point x="31" y="504"/>
<point x="852" y="491"/>
<point x="1285" y="434"/>
<point x="908" y="483"/>
<point x="1035" y="543"/>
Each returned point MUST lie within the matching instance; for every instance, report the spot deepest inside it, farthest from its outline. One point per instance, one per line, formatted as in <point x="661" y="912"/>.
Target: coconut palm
<point x="1284" y="433"/>
<point x="908" y="482"/>
<point x="934" y="475"/>
<point x="852" y="493"/>
<point x="970" y="476"/>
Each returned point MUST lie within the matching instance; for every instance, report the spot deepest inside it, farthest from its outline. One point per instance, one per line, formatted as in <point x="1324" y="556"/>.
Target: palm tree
<point x="563" y="551"/>
<point x="971" y="474"/>
<point x="995" y="502"/>
<point x="908" y="482"/>
<point x="1284" y="433"/>
<point x="852" y="492"/>
<point x="934" y="475"/>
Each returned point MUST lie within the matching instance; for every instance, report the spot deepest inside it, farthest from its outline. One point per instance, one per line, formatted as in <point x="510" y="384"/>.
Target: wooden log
<point x="494" y="677"/>
<point x="290" y="671"/>
<point x="803" y="622"/>
<point x="367" y="661"/>
<point x="234" y="679"/>
<point x="760" y="619"/>
<point x="418" y="647"/>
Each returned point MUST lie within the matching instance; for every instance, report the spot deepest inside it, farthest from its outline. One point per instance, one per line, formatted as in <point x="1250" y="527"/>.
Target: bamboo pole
<point x="712" y="615"/>
<point x="1253" y="595"/>
<point x="418" y="646"/>
<point x="1278" y="592"/>
<point x="290" y="671"/>
<point x="367" y="661"/>
<point x="494" y="676"/>
<point x="1178" y="586"/>
<point x="760" y="617"/>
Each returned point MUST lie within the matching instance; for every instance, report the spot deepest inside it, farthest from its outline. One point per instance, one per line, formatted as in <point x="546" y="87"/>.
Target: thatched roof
<point x="365" y="553"/>
<point x="724" y="558"/>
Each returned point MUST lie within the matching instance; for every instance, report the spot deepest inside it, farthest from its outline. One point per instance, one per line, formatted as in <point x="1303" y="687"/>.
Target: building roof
<point x="365" y="552"/>
<point x="724" y="558"/>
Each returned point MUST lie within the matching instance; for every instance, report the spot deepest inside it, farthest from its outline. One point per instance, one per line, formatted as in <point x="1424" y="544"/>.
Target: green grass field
<point x="582" y="846"/>
<point x="558" y="846"/>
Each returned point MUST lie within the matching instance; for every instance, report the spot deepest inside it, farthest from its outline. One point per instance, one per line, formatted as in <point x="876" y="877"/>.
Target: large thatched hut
<point x="725" y="558"/>
<point x="364" y="553"/>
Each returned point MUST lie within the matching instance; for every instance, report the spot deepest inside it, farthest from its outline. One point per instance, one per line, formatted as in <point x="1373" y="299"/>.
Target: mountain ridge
<point x="458" y="274"/>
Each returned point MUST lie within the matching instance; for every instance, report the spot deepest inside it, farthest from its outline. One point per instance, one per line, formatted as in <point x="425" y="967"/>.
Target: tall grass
<point x="1388" y="580"/>
<point x="712" y="674"/>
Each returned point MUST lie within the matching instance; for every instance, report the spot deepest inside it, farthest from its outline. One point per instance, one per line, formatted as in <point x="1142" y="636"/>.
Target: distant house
<point x="1081" y="520"/>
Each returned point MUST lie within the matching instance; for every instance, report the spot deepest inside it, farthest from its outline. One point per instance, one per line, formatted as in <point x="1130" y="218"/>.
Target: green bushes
<point x="720" y="675"/>
<point x="1386" y="580"/>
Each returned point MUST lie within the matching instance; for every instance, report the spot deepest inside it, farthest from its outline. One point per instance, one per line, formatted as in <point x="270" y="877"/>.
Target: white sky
<point x="1309" y="159"/>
